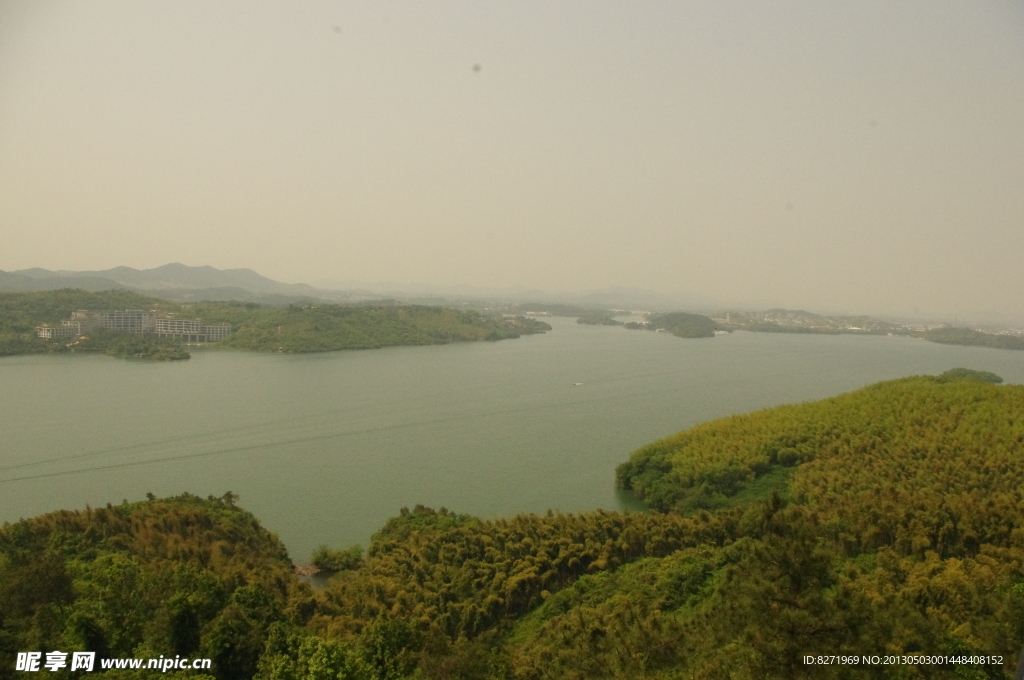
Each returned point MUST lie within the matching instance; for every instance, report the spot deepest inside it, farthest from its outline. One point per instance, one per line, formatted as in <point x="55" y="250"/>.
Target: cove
<point x="323" y="448"/>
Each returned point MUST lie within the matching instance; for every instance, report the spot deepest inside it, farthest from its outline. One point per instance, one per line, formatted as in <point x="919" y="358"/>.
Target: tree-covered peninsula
<point x="800" y="321"/>
<point x="598" y="319"/>
<point x="321" y="328"/>
<point x="292" y="328"/>
<point x="883" y="521"/>
<point x="966" y="336"/>
<point x="679" y="324"/>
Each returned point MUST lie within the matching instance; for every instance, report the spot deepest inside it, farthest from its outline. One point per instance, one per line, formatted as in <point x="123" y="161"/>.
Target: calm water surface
<point x="323" y="448"/>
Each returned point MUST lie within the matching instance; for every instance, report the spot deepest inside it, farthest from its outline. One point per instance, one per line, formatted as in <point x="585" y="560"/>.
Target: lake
<point x="323" y="448"/>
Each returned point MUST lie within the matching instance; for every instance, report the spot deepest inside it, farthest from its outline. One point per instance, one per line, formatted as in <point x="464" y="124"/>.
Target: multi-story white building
<point x="129" y="320"/>
<point x="135" y="321"/>
<point x="178" y="327"/>
<point x="217" y="332"/>
<point x="191" y="330"/>
<point x="56" y="332"/>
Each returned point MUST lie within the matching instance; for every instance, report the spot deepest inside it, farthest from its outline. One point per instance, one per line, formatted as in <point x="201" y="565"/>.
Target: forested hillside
<point x="20" y="313"/>
<point x="886" y="520"/>
<point x="177" y="576"/>
<point x="333" y="327"/>
<point x="292" y="328"/>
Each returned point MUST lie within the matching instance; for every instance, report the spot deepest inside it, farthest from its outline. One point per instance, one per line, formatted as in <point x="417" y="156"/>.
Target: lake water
<point x="323" y="448"/>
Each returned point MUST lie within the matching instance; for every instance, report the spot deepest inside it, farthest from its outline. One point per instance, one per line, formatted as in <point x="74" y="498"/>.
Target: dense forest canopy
<point x="971" y="374"/>
<point x="886" y="520"/>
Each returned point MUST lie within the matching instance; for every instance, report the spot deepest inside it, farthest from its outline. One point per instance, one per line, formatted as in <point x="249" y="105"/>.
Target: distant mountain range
<point x="619" y="297"/>
<point x="183" y="283"/>
<point x="172" y="281"/>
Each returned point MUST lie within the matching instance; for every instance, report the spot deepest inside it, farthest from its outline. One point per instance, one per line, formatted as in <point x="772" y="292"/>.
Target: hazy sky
<point x="863" y="156"/>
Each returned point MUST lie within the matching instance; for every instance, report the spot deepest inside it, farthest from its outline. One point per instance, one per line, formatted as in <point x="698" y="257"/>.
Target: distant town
<point x="795" y="320"/>
<point x="135" y="321"/>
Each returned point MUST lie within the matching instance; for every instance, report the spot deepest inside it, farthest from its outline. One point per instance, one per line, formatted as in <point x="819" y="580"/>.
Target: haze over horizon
<point x="826" y="156"/>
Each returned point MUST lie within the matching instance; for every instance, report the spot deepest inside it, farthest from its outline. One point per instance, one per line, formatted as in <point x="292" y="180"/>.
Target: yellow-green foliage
<point x="329" y="560"/>
<point x="462" y="576"/>
<point x="924" y="449"/>
<point x="177" y="576"/>
<point x="752" y="608"/>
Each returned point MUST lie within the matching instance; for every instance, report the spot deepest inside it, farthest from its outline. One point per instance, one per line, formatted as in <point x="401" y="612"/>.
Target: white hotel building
<point x="191" y="330"/>
<point x="135" y="321"/>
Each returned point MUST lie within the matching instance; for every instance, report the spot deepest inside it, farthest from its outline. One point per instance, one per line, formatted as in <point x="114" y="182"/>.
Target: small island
<point x="679" y="324"/>
<point x="598" y="319"/>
